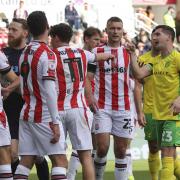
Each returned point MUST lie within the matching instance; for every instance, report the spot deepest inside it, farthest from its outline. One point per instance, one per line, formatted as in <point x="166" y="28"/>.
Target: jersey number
<point x="77" y="61"/>
<point x="167" y="136"/>
<point x="127" y="125"/>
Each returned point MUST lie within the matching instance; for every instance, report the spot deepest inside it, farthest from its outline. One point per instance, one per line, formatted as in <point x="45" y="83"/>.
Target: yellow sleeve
<point x="177" y="58"/>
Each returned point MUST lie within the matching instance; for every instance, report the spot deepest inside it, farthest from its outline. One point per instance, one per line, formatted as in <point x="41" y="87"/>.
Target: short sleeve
<point x="49" y="64"/>
<point x="177" y="59"/>
<point x="91" y="57"/>
<point x="4" y="66"/>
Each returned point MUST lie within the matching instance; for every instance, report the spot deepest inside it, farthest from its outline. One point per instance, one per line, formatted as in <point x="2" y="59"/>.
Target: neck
<point x="154" y="53"/>
<point x="167" y="50"/>
<point x="42" y="38"/>
<point x="61" y="44"/>
<point x="114" y="44"/>
<point x="21" y="46"/>
<point x="86" y="48"/>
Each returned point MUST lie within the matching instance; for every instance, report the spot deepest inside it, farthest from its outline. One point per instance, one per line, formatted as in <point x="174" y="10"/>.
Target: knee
<point x="59" y="161"/>
<point x="120" y="152"/>
<point x="153" y="149"/>
<point x="102" y="150"/>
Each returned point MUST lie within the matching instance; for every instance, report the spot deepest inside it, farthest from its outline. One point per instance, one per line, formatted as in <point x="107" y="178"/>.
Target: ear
<point x="106" y="30"/>
<point x="86" y="39"/>
<point x="25" y="33"/>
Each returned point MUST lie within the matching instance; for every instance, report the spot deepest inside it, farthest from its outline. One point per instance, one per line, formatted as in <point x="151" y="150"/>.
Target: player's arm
<point x="93" y="57"/>
<point x="49" y="77"/>
<point x="88" y="88"/>
<point x="51" y="100"/>
<point x="139" y="72"/>
<point x="175" y="105"/>
<point x="13" y="79"/>
<point x="6" y="71"/>
<point x="138" y="103"/>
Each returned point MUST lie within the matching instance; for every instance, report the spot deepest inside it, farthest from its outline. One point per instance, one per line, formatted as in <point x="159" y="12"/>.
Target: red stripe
<point x="84" y="62"/>
<point x="36" y="90"/>
<point x="61" y="81"/>
<point x="126" y="87"/>
<point x="85" y="114"/>
<point x="101" y="100"/>
<point x="73" y="102"/>
<point x="26" y="93"/>
<point x="114" y="81"/>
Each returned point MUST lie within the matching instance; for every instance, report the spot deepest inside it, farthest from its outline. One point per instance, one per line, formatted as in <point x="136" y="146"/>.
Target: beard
<point x="15" y="42"/>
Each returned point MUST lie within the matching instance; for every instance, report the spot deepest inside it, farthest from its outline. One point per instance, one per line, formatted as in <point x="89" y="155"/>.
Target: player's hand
<point x="56" y="133"/>
<point x="175" y="106"/>
<point x="141" y="119"/>
<point x="5" y="92"/>
<point x="92" y="102"/>
<point x="130" y="47"/>
<point x="105" y="57"/>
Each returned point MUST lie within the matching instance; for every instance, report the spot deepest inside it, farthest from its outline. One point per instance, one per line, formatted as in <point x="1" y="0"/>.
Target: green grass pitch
<point x="140" y="171"/>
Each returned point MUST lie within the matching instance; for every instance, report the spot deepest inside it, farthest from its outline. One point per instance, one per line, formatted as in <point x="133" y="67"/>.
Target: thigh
<point x="42" y="135"/>
<point x="5" y="155"/>
<point x="103" y="121"/>
<point x="5" y="138"/>
<point x="27" y="145"/>
<point x="123" y="124"/>
<point x="150" y="128"/>
<point x="170" y="134"/>
<point x="78" y="129"/>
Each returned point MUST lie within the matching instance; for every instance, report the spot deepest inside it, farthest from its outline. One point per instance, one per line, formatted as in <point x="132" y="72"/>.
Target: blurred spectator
<point x="3" y="36"/>
<point x="168" y="17"/>
<point x="20" y="12"/>
<point x="71" y="16"/>
<point x="4" y="19"/>
<point x="150" y="15"/>
<point x="104" y="37"/>
<point x="138" y="38"/>
<point x="76" y="40"/>
<point x="85" y="16"/>
<point x="177" y="26"/>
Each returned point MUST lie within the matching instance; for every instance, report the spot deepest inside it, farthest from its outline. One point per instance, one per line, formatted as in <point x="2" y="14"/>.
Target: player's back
<point x="71" y="74"/>
<point x="36" y="65"/>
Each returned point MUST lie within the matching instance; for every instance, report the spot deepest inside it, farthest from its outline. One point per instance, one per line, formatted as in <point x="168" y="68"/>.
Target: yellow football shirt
<point x="148" y="82"/>
<point x="166" y="85"/>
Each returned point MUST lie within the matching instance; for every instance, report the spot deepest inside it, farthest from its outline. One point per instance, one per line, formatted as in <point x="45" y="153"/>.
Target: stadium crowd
<point x="72" y="79"/>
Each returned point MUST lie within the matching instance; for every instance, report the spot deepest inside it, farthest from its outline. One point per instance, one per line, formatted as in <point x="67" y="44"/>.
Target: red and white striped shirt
<point x="4" y="68"/>
<point x="112" y="79"/>
<point x="37" y="63"/>
<point x="71" y="76"/>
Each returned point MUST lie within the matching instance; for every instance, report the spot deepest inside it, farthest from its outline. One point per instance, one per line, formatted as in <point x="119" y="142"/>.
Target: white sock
<point x="121" y="169"/>
<point x="99" y="164"/>
<point x="5" y="172"/>
<point x="129" y="162"/>
<point x="58" y="173"/>
<point x="21" y="173"/>
<point x="73" y="166"/>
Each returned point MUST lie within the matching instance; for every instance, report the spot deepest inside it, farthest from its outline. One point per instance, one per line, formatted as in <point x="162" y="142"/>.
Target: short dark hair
<point x="21" y="21"/>
<point x="114" y="19"/>
<point x="166" y="29"/>
<point x="63" y="31"/>
<point x="37" y="23"/>
<point x="91" y="31"/>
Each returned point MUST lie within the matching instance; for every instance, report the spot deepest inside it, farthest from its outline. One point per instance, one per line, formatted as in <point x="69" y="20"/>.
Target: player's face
<point x="159" y="39"/>
<point x="16" y="34"/>
<point x="114" y="31"/>
<point x="93" y="41"/>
